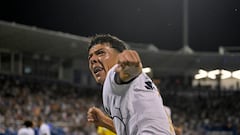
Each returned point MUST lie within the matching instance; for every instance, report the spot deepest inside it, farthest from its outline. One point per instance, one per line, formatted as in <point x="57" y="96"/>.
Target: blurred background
<point x="191" y="48"/>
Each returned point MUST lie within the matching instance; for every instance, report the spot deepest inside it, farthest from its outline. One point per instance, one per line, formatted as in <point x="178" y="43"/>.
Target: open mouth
<point x="97" y="69"/>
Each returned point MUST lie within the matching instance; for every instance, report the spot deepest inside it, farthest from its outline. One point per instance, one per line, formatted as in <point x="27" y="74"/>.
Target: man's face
<point x="101" y="58"/>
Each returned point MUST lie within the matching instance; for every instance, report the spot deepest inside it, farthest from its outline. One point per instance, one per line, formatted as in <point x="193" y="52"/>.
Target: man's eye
<point x="101" y="52"/>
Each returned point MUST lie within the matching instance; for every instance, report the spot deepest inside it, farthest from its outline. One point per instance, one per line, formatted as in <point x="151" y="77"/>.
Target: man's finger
<point x="136" y="58"/>
<point x="129" y="58"/>
<point x="90" y="120"/>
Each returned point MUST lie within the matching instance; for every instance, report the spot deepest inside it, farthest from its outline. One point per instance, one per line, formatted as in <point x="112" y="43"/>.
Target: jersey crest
<point x="148" y="85"/>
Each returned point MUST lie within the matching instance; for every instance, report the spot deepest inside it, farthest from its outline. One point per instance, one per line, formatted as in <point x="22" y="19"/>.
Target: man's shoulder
<point x="24" y="131"/>
<point x="44" y="126"/>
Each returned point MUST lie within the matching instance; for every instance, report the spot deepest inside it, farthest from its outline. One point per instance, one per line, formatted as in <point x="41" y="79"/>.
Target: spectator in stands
<point x="27" y="128"/>
<point x="44" y="128"/>
<point x="193" y="109"/>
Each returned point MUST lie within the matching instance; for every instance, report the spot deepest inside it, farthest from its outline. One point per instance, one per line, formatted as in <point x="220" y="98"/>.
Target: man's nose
<point x="94" y="59"/>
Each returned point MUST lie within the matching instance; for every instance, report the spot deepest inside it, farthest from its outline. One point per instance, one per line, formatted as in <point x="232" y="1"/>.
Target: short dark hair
<point x="28" y="123"/>
<point x="115" y="42"/>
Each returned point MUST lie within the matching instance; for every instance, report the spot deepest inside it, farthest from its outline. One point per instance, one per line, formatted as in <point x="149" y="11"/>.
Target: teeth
<point x="97" y="69"/>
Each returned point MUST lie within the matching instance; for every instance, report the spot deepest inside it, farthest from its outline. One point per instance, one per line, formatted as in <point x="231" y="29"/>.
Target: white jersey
<point x="136" y="107"/>
<point x="25" y="131"/>
<point x="44" y="129"/>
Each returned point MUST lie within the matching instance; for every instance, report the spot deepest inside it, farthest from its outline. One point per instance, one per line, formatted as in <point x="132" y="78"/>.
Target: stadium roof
<point x="17" y="37"/>
<point x="22" y="38"/>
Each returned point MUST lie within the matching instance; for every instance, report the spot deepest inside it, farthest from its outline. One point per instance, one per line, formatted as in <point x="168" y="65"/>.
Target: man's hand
<point x="96" y="116"/>
<point x="129" y="65"/>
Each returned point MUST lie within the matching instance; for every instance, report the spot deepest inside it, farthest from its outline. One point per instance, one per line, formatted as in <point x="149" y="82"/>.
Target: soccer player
<point x="129" y="96"/>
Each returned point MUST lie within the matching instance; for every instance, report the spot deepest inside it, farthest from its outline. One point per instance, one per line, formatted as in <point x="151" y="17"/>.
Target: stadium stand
<point x="63" y="96"/>
<point x="197" y="110"/>
<point x="60" y="104"/>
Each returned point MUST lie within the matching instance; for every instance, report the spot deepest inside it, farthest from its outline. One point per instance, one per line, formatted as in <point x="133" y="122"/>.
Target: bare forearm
<point x="123" y="77"/>
<point x="129" y="65"/>
<point x="108" y="123"/>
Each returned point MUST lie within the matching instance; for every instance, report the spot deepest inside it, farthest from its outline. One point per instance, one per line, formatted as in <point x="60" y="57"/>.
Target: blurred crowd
<point x="201" y="109"/>
<point x="65" y="105"/>
<point x="59" y="103"/>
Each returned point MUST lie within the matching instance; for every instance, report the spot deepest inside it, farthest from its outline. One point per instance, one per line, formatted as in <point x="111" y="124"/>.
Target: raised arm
<point x="129" y="66"/>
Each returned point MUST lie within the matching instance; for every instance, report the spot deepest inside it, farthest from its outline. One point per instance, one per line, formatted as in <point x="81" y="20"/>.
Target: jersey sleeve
<point x="118" y="89"/>
<point x="141" y="82"/>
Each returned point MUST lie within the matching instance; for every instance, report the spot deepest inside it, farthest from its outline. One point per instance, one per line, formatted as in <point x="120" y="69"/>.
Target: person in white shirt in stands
<point x="44" y="128"/>
<point x="27" y="128"/>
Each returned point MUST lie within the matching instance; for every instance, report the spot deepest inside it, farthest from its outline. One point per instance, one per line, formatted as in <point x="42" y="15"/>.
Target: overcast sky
<point x="212" y="23"/>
